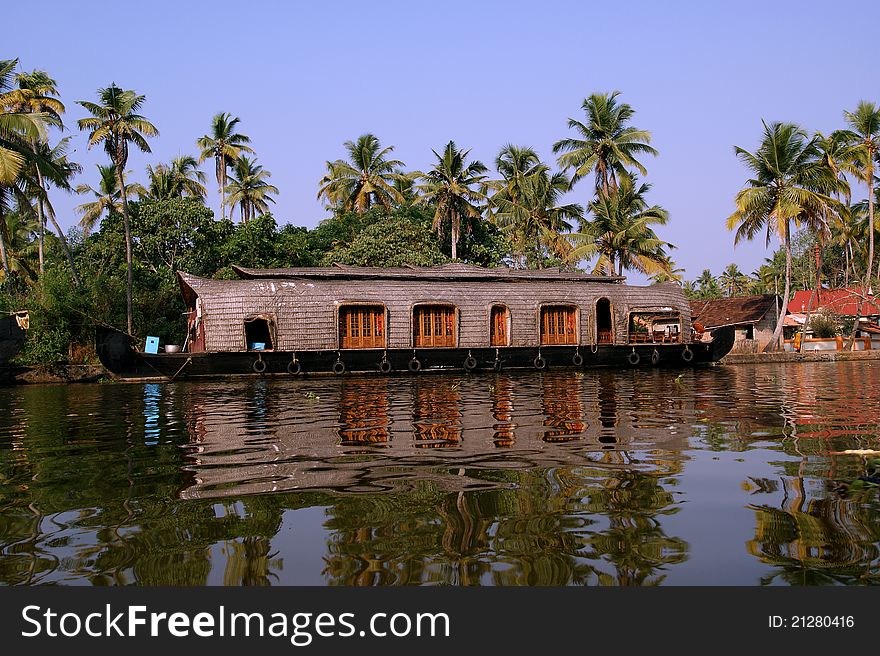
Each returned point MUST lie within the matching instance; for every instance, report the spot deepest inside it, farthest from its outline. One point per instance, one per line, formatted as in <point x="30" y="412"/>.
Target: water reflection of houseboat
<point x="361" y="435"/>
<point x="297" y="321"/>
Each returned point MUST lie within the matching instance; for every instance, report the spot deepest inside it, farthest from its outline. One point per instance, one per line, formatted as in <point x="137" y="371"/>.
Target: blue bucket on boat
<point x="152" y="345"/>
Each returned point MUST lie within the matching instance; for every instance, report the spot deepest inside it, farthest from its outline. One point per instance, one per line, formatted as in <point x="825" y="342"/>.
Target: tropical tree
<point x="181" y="179"/>
<point x="669" y="273"/>
<point x="733" y="280"/>
<point x="514" y="164"/>
<point x="368" y="178"/>
<point x="533" y="217"/>
<point x="39" y="96"/>
<point x="864" y="134"/>
<point x="106" y="198"/>
<point x="620" y="231"/>
<point x="452" y="187"/>
<point x="790" y="183"/>
<point x="248" y="188"/>
<point x="115" y="122"/>
<point x="51" y="167"/>
<point x="20" y="230"/>
<point x="606" y="144"/>
<point x="225" y="145"/>
<point x="19" y="128"/>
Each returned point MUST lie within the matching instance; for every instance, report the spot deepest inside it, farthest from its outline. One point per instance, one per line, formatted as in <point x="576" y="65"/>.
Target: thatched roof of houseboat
<point x="734" y="311"/>
<point x="449" y="272"/>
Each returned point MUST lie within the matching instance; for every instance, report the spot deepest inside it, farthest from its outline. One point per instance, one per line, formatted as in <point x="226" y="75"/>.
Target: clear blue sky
<point x="306" y="77"/>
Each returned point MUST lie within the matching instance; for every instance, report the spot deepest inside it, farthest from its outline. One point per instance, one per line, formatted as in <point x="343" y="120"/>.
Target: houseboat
<point x="12" y="332"/>
<point x="341" y="319"/>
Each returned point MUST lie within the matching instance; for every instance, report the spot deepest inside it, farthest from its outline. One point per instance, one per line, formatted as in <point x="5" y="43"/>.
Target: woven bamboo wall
<point x="306" y="309"/>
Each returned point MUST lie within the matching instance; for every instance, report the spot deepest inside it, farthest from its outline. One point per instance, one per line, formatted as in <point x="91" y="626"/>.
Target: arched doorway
<point x="604" y="322"/>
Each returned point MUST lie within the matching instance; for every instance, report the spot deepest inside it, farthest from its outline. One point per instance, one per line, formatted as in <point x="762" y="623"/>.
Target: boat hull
<point x="116" y="354"/>
<point x="11" y="339"/>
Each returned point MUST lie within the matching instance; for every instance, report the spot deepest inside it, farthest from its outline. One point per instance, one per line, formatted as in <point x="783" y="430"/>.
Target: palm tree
<point x="514" y="164"/>
<point x="669" y="273"/>
<point x="452" y="188"/>
<point x="52" y="167"/>
<point x="40" y="97"/>
<point x="707" y="285"/>
<point x="864" y="133"/>
<point x="733" y="280"/>
<point x="20" y="230"/>
<point x="534" y="218"/>
<point x="790" y="183"/>
<point x="181" y="179"/>
<point x="115" y="123"/>
<point x="107" y="198"/>
<point x="620" y="231"/>
<point x="248" y="188"/>
<point x="368" y="177"/>
<point x="606" y="145"/>
<point x="225" y="145"/>
<point x="18" y="130"/>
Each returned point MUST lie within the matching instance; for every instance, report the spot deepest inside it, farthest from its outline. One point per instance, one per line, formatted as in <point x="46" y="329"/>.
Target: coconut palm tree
<point x="669" y="273"/>
<point x="606" y="145"/>
<point x="181" y="179"/>
<point x="733" y="280"/>
<point x="225" y="145"/>
<point x="249" y="190"/>
<point x="514" y="164"/>
<point x="368" y="177"/>
<point x="39" y="96"/>
<point x="106" y="198"/>
<point x="452" y="187"/>
<point x="707" y="285"/>
<point x="115" y="122"/>
<point x="864" y="134"/>
<point x="51" y="167"/>
<point x="790" y="183"/>
<point x="531" y="214"/>
<point x="20" y="230"/>
<point x="18" y="131"/>
<point x="620" y="231"/>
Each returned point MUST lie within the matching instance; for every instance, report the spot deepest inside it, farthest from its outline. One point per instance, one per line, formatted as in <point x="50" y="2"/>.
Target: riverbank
<point x="72" y="373"/>
<point x="807" y="356"/>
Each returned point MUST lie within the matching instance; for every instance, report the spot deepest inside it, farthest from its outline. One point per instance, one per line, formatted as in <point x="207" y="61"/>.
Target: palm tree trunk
<point x="126" y="224"/>
<point x="816" y="294"/>
<point x="220" y="172"/>
<point x="774" y="343"/>
<point x="454" y="236"/>
<point x="4" y="260"/>
<point x="870" y="228"/>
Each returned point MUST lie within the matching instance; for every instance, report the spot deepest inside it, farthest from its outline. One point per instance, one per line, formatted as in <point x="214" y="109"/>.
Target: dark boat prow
<point x="722" y="341"/>
<point x="12" y="332"/>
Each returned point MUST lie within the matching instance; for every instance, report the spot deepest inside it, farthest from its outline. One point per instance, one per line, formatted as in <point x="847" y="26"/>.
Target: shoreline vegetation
<point x="117" y="266"/>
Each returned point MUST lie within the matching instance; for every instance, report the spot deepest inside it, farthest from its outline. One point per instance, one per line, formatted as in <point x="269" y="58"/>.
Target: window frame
<point x="347" y="305"/>
<point x="508" y="324"/>
<point x="416" y="307"/>
<point x="575" y="310"/>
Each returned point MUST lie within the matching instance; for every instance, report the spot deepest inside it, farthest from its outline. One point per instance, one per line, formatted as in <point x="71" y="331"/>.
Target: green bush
<point x="824" y="325"/>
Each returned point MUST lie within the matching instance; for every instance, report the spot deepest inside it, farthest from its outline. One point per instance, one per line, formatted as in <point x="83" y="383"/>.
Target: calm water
<point x="725" y="476"/>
